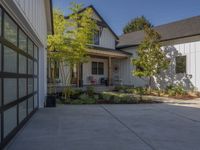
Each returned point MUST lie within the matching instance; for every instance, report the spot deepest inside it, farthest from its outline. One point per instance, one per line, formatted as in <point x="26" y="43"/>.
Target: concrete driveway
<point x="112" y="127"/>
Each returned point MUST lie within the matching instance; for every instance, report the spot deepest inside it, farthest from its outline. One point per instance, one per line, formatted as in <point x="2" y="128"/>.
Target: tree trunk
<point x="150" y="78"/>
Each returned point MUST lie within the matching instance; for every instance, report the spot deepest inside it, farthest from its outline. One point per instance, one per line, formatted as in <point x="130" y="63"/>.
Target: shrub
<point x="120" y="88"/>
<point x="90" y="90"/>
<point x="105" y="96"/>
<point x="76" y="93"/>
<point x="68" y="92"/>
<point x="140" y="91"/>
<point x="174" y="90"/>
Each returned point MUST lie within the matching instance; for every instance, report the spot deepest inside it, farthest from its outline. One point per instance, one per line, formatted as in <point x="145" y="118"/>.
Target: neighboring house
<point x="111" y="56"/>
<point x="24" y="25"/>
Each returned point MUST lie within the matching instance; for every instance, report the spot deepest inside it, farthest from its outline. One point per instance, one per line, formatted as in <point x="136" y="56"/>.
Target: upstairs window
<point x="181" y="64"/>
<point x="96" y="38"/>
<point x="97" y="68"/>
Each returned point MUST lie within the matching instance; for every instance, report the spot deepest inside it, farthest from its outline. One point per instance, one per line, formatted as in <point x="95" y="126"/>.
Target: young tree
<point x="137" y="24"/>
<point x="151" y="59"/>
<point x="69" y="43"/>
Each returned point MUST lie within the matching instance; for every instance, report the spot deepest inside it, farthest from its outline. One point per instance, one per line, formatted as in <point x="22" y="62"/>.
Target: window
<point x="30" y="85"/>
<point x="10" y="120"/>
<point x="22" y="87"/>
<point x="30" y="66"/>
<point x="22" y="111"/>
<point x="94" y="68"/>
<point x="96" y="38"/>
<point x="181" y="64"/>
<point x="22" y="64"/>
<point x="10" y="60"/>
<point x="30" y="105"/>
<point x="97" y="68"/>
<point x="30" y="47"/>
<point x="22" y="41"/>
<point x="10" y="90"/>
<point x="101" y="68"/>
<point x="10" y="30"/>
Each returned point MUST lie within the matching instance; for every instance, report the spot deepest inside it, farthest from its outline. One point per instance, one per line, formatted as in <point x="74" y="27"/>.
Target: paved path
<point x="113" y="127"/>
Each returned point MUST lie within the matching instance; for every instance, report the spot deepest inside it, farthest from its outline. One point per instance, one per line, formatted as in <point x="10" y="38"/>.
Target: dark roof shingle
<point x="179" y="29"/>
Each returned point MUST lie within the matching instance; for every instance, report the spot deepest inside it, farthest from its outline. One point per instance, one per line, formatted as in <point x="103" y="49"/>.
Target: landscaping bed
<point x="90" y="97"/>
<point x="126" y="95"/>
<point x="172" y="91"/>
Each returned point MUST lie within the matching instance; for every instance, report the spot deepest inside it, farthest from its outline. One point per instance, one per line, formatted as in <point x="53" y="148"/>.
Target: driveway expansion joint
<point x="126" y="126"/>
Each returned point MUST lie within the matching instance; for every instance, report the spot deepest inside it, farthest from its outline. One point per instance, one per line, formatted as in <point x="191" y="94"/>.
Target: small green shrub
<point x="90" y="90"/>
<point x="174" y="90"/>
<point x="96" y="97"/>
<point x="120" y="88"/>
<point x="68" y="92"/>
<point x="140" y="91"/>
<point x="105" y="96"/>
<point x="76" y="93"/>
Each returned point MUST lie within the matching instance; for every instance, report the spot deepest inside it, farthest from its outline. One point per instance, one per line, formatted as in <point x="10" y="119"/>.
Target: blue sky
<point x="118" y="12"/>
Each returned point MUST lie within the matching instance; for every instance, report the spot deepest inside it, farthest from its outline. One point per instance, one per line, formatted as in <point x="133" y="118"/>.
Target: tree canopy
<point x="71" y="36"/>
<point x="69" y="43"/>
<point x="151" y="60"/>
<point x="137" y="24"/>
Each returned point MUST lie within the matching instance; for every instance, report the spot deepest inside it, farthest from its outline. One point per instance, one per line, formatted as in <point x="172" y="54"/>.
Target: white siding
<point x="107" y="39"/>
<point x="34" y="12"/>
<point x="187" y="48"/>
<point x="192" y="52"/>
<point x="126" y="69"/>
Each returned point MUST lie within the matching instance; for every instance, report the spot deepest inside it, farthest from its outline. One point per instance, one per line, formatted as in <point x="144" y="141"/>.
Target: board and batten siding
<point x="34" y="12"/>
<point x="192" y="52"/>
<point x="126" y="68"/>
<point x="107" y="39"/>
<point x="181" y="47"/>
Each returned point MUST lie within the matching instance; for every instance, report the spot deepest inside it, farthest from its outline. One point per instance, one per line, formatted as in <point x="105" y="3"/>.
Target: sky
<point x="117" y="13"/>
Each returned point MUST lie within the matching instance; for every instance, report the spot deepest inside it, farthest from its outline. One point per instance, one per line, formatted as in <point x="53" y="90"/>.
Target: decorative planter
<point x="51" y="101"/>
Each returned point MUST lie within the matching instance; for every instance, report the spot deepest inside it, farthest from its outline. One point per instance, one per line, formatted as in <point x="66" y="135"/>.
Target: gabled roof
<point x="92" y="7"/>
<point x="175" y="30"/>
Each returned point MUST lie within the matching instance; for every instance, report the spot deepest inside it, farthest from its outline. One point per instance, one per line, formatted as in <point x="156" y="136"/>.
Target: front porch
<point x="102" y="68"/>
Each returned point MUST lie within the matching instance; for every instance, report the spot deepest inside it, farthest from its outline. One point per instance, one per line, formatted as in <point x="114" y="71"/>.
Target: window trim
<point x="185" y="68"/>
<point x="97" y="68"/>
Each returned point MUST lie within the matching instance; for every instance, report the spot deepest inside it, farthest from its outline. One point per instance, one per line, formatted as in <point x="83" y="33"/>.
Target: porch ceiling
<point x="109" y="53"/>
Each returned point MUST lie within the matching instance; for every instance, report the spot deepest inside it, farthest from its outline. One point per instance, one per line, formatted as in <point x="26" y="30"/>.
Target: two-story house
<point x="111" y="56"/>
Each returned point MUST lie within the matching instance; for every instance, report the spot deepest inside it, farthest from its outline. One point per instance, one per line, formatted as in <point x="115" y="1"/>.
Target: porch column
<point x="79" y="75"/>
<point x="109" y="71"/>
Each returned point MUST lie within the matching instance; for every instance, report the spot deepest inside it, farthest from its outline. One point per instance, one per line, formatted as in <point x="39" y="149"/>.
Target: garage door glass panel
<point x="10" y="120"/>
<point x="10" y="60"/>
<point x="10" y="30"/>
<point x="10" y="90"/>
